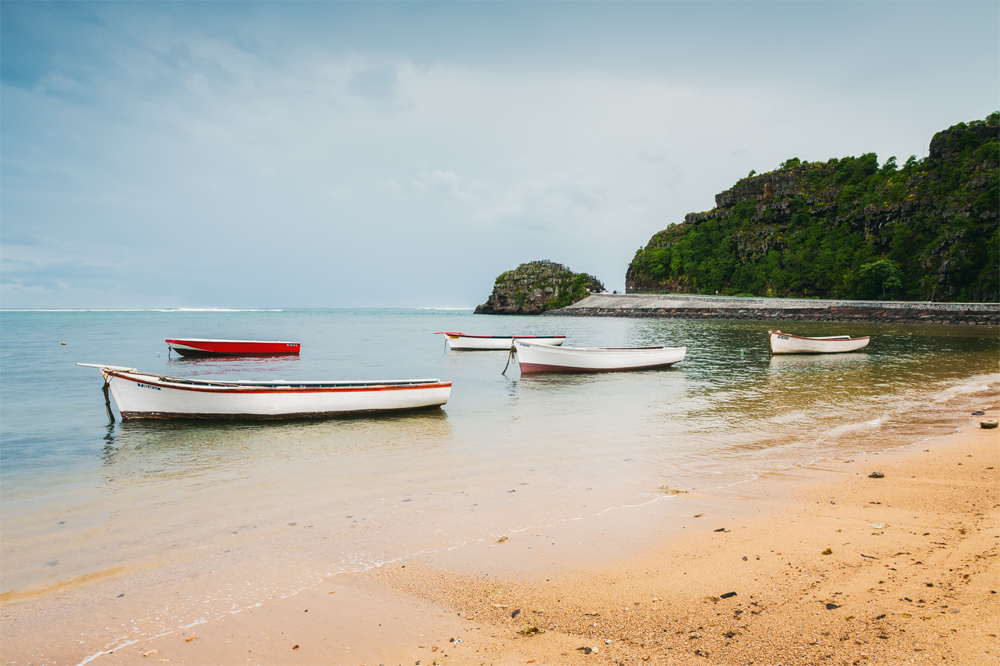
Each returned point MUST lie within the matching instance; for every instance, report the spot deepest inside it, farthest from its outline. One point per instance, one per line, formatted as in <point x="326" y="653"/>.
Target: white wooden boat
<point x="140" y="395"/>
<point x="783" y="343"/>
<point x="465" y="342"/>
<point x="533" y="357"/>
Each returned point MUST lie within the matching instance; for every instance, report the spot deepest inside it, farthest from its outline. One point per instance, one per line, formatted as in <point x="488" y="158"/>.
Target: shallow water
<point x="269" y="508"/>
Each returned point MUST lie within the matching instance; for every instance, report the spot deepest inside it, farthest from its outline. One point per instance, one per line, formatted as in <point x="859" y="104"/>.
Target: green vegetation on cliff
<point x="846" y="228"/>
<point x="537" y="286"/>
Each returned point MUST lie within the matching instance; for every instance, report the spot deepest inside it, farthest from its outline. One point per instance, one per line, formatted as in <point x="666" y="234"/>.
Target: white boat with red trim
<point x="141" y="395"/>
<point x="465" y="342"/>
<point x="209" y="347"/>
<point x="783" y="343"/>
<point x="534" y="357"/>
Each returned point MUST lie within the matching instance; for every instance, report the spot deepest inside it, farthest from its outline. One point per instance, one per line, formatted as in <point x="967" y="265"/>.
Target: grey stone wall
<point x="684" y="306"/>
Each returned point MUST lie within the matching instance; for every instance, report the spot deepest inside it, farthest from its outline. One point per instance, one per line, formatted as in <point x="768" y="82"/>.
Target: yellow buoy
<point x="64" y="343"/>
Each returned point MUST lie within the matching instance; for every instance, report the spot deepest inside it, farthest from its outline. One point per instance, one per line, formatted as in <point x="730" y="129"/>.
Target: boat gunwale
<point x="257" y="342"/>
<point x="608" y="349"/>
<point x="206" y="386"/>
<point x="453" y="334"/>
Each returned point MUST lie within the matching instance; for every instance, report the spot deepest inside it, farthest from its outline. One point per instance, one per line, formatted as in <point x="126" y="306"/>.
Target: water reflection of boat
<point x="783" y="343"/>
<point x="805" y="361"/>
<point x="235" y="363"/>
<point x="543" y="358"/>
<point x="141" y="395"/>
<point x="144" y="450"/>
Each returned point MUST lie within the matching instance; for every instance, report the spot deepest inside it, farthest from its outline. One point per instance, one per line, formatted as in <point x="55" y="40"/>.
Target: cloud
<point x="379" y="89"/>
<point x="324" y="139"/>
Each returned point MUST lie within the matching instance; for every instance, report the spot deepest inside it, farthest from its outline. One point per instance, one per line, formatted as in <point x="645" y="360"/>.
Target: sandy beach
<point x="819" y="565"/>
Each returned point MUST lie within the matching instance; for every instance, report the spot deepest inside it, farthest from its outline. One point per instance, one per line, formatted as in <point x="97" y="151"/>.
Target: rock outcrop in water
<point x="537" y="286"/>
<point x="846" y="228"/>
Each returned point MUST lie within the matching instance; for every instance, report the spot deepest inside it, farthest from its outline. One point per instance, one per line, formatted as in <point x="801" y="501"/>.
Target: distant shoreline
<point x="695" y="306"/>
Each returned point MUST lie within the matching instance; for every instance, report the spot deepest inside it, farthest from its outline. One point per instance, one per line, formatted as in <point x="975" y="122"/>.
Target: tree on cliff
<point x="846" y="228"/>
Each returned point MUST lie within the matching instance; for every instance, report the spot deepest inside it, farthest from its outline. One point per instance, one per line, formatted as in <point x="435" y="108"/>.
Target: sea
<point x="190" y="521"/>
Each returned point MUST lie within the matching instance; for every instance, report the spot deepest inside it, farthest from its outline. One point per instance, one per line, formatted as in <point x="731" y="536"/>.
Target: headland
<point x="694" y="306"/>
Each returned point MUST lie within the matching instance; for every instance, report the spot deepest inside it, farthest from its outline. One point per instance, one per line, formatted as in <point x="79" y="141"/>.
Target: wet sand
<point x="828" y="566"/>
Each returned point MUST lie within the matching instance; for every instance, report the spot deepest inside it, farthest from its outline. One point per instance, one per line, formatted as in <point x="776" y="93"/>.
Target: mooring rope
<point x="107" y="398"/>
<point x="509" y="357"/>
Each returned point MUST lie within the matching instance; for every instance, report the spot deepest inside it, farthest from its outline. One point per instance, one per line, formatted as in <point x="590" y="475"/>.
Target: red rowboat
<point x="204" y="347"/>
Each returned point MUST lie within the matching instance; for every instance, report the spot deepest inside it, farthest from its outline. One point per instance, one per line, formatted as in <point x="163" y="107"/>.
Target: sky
<point x="380" y="154"/>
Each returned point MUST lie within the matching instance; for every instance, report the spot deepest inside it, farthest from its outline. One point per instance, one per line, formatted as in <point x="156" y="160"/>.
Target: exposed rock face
<point x="537" y="286"/>
<point x="845" y="228"/>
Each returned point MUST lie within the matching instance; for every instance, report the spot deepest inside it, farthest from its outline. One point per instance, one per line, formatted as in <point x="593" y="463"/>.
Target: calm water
<point x="164" y="501"/>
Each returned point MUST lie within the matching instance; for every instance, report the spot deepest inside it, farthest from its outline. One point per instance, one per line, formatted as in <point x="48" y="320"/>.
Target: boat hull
<point x="142" y="396"/>
<point x="540" y="358"/>
<point x="783" y="343"/>
<point x="462" y="342"/>
<point x="206" y="347"/>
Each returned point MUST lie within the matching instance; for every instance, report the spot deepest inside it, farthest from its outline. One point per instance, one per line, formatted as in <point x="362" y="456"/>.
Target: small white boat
<point x="464" y="342"/>
<point x="783" y="343"/>
<point x="533" y="357"/>
<point x="140" y="395"/>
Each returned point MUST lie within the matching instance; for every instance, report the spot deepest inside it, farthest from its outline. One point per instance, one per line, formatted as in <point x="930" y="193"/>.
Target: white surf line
<point x="139" y="310"/>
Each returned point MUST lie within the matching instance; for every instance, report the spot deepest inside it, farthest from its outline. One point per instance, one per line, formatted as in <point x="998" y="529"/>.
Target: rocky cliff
<point x="845" y="228"/>
<point x="537" y="286"/>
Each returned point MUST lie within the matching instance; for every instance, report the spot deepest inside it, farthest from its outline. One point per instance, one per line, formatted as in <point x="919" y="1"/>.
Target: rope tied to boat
<point x="509" y="357"/>
<point x="107" y="398"/>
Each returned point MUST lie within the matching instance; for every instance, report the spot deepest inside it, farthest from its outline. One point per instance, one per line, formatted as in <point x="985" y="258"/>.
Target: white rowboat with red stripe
<point x="209" y="347"/>
<point x="541" y="358"/>
<point x="783" y="343"/>
<point x="140" y="395"/>
<point x="465" y="342"/>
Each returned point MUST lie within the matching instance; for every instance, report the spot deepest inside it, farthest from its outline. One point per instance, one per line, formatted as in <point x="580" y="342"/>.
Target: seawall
<point x="687" y="306"/>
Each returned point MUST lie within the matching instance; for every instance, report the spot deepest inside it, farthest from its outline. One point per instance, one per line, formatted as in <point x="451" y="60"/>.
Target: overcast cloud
<point x="403" y="155"/>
